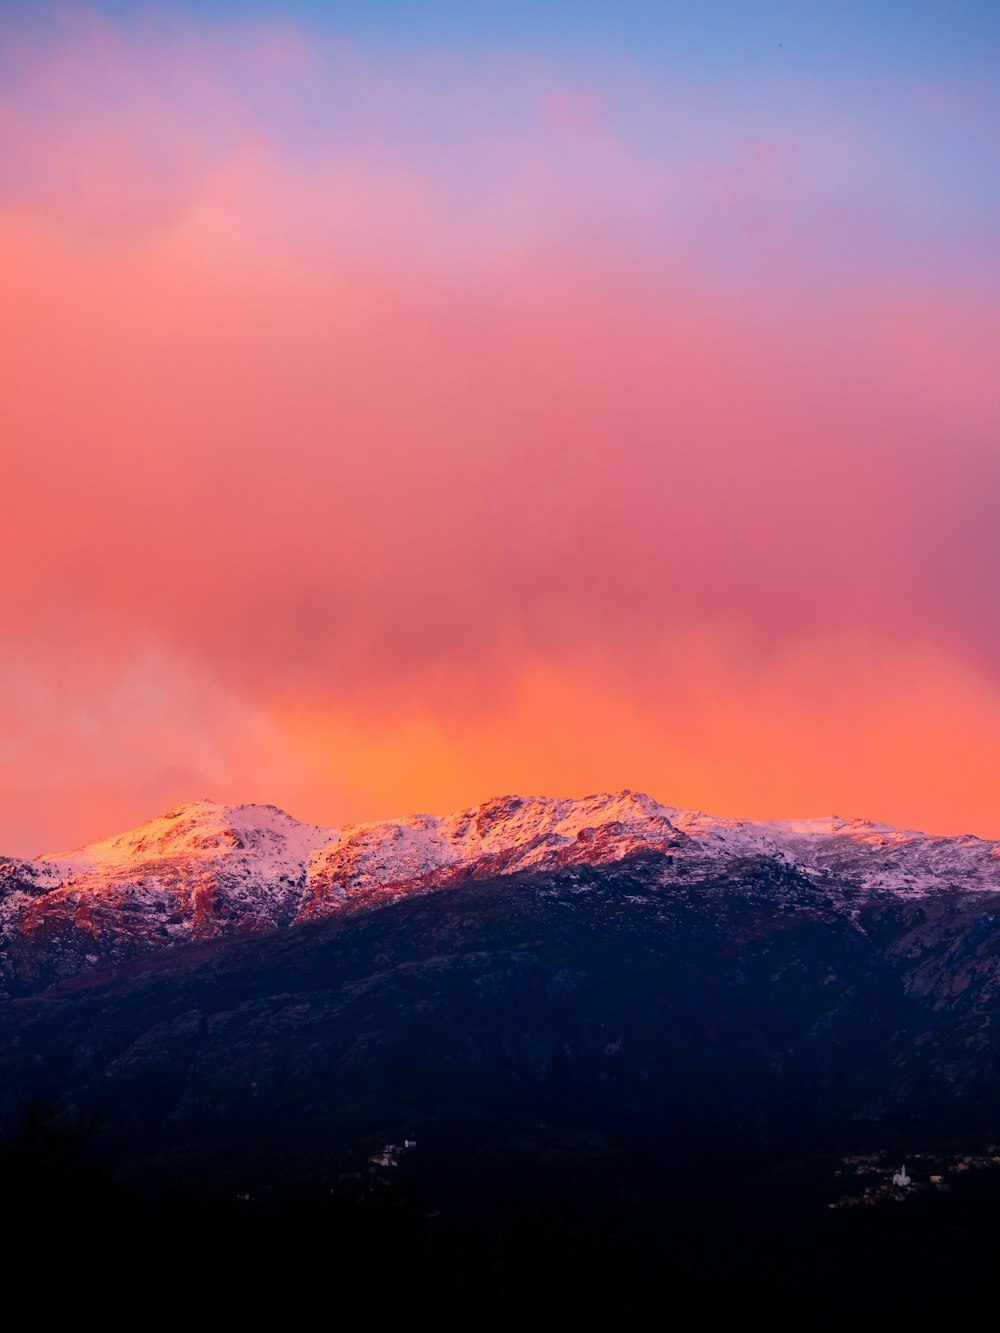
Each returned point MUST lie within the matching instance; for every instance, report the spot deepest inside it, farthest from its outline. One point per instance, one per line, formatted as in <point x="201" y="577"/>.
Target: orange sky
<point x="361" y="474"/>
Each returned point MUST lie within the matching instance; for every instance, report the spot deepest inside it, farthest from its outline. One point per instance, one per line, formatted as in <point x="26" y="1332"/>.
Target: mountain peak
<point x="200" y="829"/>
<point x="205" y="869"/>
<point x="191" y="807"/>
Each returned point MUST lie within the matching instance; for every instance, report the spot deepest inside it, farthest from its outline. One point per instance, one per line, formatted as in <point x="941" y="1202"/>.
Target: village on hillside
<point x="875" y="1177"/>
<point x="389" y="1155"/>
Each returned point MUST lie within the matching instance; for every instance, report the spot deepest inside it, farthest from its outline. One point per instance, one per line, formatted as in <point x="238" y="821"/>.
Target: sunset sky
<point x="404" y="403"/>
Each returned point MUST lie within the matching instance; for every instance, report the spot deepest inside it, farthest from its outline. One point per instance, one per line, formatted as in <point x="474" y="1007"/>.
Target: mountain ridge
<point x="536" y="990"/>
<point x="208" y="870"/>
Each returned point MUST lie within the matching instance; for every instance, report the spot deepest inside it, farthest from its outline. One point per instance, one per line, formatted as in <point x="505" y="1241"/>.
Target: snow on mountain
<point x="500" y="836"/>
<point x="868" y="856"/>
<point x="261" y="836"/>
<point x="204" y="870"/>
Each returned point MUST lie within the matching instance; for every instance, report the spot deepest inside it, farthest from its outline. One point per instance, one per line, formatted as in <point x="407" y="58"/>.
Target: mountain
<point x="208" y="871"/>
<point x="606" y="998"/>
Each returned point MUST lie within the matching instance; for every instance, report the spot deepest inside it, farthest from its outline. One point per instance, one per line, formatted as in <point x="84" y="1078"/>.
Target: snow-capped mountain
<point x="233" y="994"/>
<point x="206" y="870"/>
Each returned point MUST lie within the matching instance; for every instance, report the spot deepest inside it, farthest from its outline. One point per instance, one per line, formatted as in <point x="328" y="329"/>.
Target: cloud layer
<point x="383" y="433"/>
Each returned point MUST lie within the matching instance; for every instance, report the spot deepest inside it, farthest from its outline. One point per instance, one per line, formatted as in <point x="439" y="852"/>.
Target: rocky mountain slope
<point x="606" y="996"/>
<point x="580" y="1027"/>
<point x="208" y="871"/>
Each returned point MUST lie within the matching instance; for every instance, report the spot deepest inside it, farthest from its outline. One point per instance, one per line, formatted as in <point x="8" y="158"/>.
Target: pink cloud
<point x="386" y="424"/>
